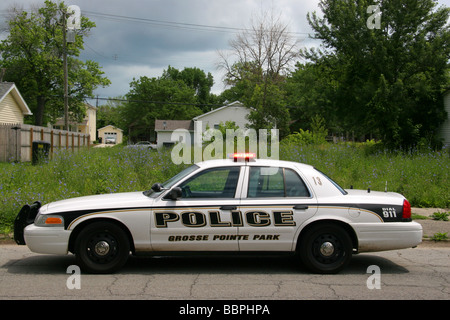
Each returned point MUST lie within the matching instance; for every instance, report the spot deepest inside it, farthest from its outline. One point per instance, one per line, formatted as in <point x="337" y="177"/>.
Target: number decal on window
<point x="317" y="181"/>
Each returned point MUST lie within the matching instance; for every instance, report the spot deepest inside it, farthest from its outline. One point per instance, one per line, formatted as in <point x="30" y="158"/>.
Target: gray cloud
<point x="143" y="37"/>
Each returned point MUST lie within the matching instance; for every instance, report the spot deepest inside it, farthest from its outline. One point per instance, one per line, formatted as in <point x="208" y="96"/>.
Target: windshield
<point x="169" y="183"/>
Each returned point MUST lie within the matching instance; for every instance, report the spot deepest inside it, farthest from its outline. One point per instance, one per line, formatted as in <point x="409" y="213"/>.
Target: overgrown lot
<point x="422" y="176"/>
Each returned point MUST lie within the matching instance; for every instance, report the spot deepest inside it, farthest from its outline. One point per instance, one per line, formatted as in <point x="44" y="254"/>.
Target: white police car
<point x="224" y="206"/>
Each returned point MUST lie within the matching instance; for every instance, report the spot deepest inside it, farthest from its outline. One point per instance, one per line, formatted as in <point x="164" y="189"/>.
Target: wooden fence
<point x="16" y="141"/>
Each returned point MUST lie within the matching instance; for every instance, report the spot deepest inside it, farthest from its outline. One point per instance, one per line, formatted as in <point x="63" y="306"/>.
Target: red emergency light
<point x="243" y="156"/>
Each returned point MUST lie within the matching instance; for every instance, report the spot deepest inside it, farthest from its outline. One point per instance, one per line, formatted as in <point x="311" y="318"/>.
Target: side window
<point x="212" y="183"/>
<point x="295" y="187"/>
<point x="266" y="182"/>
<point x="275" y="182"/>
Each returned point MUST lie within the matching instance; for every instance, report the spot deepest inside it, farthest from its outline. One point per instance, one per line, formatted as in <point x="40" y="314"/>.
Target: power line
<point x="161" y="23"/>
<point x="159" y="102"/>
<point x="149" y="101"/>
<point x="173" y="24"/>
<point x="171" y="103"/>
<point x="166" y="23"/>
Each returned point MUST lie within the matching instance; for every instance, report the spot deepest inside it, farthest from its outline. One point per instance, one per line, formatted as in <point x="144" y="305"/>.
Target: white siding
<point x="10" y="111"/>
<point x="164" y="137"/>
<point x="237" y="113"/>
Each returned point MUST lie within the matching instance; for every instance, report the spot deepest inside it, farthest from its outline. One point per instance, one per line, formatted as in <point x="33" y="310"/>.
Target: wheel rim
<point x="102" y="248"/>
<point x="327" y="249"/>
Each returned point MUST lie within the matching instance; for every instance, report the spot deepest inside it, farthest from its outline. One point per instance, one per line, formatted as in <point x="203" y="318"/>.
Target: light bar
<point x="247" y="156"/>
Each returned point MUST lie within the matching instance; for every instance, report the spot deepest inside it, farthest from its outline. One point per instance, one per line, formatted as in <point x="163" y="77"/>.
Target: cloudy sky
<point x="135" y="38"/>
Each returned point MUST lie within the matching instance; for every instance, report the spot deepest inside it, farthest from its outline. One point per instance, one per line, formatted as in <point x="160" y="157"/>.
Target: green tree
<point x="32" y="55"/>
<point x="311" y="91"/>
<point x="257" y="68"/>
<point x="390" y="78"/>
<point x="110" y="113"/>
<point x="196" y="79"/>
<point x="157" y="98"/>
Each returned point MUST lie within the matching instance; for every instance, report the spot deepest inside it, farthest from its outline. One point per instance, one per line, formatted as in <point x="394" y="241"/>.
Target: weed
<point x="439" y="236"/>
<point x="442" y="216"/>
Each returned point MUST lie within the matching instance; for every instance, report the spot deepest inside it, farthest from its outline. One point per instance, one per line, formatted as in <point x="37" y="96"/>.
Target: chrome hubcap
<point x="101" y="248"/>
<point x="327" y="249"/>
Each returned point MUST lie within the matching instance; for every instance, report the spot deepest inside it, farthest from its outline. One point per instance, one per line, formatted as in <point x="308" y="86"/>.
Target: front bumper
<point x="53" y="240"/>
<point x="388" y="236"/>
<point x="25" y="217"/>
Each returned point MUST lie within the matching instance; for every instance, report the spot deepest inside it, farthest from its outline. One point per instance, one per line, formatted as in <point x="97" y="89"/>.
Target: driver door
<point x="204" y="218"/>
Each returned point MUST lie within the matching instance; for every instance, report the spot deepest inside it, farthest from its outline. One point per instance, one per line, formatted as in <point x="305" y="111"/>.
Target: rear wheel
<point x="102" y="247"/>
<point x="325" y="248"/>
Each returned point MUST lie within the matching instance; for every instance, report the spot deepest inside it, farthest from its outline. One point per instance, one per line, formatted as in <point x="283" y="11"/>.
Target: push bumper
<point x="25" y="217"/>
<point x="388" y="236"/>
<point x="53" y="240"/>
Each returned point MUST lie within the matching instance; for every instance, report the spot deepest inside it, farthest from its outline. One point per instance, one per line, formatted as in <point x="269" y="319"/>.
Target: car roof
<point x="254" y="162"/>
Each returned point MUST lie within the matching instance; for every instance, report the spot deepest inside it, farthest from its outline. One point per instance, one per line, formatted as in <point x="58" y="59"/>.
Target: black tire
<point x="325" y="248"/>
<point x="102" y="247"/>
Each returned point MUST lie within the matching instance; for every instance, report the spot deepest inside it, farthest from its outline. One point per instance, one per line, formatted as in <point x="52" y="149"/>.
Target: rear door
<point x="274" y="204"/>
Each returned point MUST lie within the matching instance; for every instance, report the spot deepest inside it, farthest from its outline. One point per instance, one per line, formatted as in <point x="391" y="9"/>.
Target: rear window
<point x="275" y="182"/>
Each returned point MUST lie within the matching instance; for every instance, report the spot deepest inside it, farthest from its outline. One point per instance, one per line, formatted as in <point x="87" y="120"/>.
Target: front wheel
<point x="102" y="247"/>
<point x="325" y="248"/>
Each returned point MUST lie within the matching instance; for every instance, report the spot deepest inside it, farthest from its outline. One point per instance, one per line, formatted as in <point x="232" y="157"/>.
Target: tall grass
<point x="422" y="176"/>
<point x="68" y="175"/>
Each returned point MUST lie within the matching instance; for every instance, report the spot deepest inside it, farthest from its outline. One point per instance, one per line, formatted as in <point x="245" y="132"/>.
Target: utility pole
<point x="66" y="80"/>
<point x="71" y="21"/>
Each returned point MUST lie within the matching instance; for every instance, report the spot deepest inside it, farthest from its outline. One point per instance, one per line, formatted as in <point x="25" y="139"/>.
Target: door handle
<point x="300" y="207"/>
<point x="228" y="208"/>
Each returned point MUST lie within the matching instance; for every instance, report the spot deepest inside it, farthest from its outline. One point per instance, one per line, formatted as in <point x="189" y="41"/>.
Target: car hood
<point x="100" y="202"/>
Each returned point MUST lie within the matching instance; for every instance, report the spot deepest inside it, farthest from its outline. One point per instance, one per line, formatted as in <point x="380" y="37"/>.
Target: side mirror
<point x="157" y="187"/>
<point x="174" y="194"/>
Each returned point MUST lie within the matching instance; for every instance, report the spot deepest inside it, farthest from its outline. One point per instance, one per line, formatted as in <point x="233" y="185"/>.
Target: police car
<point x="240" y="205"/>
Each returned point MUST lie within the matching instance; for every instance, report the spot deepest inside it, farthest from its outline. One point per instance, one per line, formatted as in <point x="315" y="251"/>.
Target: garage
<point x="110" y="135"/>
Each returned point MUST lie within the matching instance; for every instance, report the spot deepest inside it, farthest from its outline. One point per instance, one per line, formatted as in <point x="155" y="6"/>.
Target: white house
<point x="87" y="126"/>
<point x="234" y="111"/>
<point x="165" y="128"/>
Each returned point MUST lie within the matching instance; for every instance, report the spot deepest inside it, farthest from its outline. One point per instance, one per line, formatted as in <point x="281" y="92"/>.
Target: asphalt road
<point x="422" y="273"/>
